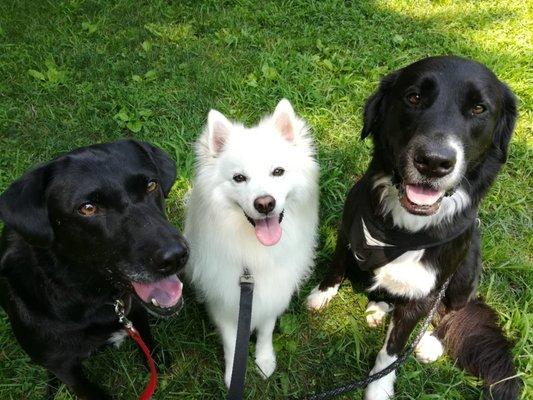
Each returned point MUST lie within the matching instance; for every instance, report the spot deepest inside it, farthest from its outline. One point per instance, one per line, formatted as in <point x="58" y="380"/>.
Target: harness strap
<point x="238" y="373"/>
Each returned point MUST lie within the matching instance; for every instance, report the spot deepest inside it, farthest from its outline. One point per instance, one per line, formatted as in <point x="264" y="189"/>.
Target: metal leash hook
<point x="120" y="310"/>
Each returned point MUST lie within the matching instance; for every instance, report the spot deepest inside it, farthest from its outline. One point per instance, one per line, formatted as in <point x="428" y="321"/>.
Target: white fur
<point x="376" y="313"/>
<point x="117" y="338"/>
<point x="406" y="276"/>
<point x="318" y="299"/>
<point x="429" y="349"/>
<point x="450" y="205"/>
<point x="382" y="389"/>
<point x="223" y="242"/>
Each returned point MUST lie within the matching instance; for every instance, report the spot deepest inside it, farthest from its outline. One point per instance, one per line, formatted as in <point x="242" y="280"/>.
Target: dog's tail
<point x="473" y="338"/>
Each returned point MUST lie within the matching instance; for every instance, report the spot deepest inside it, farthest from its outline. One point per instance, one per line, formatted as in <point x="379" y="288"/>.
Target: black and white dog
<point x="441" y="129"/>
<point x="82" y="231"/>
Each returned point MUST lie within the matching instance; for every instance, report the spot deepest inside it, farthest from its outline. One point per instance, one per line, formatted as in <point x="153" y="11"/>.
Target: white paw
<point x="382" y="389"/>
<point x="318" y="299"/>
<point x="266" y="365"/>
<point x="429" y="349"/>
<point x="376" y="313"/>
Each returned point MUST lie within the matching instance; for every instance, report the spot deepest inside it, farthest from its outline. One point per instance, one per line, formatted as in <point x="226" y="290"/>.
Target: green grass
<point x="76" y="72"/>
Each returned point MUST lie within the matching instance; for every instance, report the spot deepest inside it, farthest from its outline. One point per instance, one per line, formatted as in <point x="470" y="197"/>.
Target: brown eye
<point x="278" y="171"/>
<point x="478" y="109"/>
<point x="414" y="99"/>
<point x="152" y="186"/>
<point x="87" y="209"/>
<point x="239" y="178"/>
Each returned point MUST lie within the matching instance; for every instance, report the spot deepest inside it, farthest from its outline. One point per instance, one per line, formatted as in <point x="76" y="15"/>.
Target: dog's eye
<point x="87" y="209"/>
<point x="278" y="171"/>
<point x="239" y="178"/>
<point x="413" y="98"/>
<point x="152" y="186"/>
<point x="478" y="109"/>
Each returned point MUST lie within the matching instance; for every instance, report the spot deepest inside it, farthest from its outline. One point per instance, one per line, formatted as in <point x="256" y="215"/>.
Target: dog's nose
<point x="173" y="259"/>
<point x="265" y="204"/>
<point x="434" y="161"/>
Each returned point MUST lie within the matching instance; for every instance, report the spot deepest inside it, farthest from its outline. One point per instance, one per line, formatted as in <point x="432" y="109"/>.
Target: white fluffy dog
<point x="254" y="204"/>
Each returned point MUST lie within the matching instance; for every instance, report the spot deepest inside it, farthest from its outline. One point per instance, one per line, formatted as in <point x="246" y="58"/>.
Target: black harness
<point x="375" y="241"/>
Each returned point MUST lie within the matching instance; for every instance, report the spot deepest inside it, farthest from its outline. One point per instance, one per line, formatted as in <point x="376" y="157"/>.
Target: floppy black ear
<point x="374" y="104"/>
<point x="23" y="207"/>
<point x="166" y="166"/>
<point x="506" y="122"/>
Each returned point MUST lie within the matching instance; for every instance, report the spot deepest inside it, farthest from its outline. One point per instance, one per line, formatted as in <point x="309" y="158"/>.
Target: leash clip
<point x="120" y="310"/>
<point x="246" y="277"/>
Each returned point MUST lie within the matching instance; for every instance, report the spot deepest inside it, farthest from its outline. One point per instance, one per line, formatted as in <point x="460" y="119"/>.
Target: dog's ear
<point x="506" y="122"/>
<point x="218" y="130"/>
<point x="166" y="166"/>
<point x="284" y="119"/>
<point x="23" y="207"/>
<point x="374" y="106"/>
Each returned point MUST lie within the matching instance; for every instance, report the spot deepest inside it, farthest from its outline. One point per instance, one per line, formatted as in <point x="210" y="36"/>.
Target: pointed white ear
<point x="284" y="119"/>
<point x="218" y="128"/>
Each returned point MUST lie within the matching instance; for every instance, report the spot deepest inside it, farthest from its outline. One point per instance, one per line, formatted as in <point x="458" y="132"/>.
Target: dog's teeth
<point x="155" y="303"/>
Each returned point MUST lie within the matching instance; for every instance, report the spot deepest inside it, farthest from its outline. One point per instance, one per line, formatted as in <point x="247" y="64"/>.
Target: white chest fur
<point x="406" y="276"/>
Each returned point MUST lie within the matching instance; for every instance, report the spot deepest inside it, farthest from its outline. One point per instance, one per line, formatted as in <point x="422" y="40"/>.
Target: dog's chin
<point x="268" y="229"/>
<point x="419" y="199"/>
<point x="161" y="297"/>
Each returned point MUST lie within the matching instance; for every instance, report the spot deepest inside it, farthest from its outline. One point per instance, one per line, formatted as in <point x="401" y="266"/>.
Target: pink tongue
<point x="421" y="195"/>
<point x="166" y="292"/>
<point x="268" y="230"/>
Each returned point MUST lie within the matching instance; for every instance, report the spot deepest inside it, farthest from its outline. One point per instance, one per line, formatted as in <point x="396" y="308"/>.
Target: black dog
<point x="441" y="129"/>
<point x="82" y="231"/>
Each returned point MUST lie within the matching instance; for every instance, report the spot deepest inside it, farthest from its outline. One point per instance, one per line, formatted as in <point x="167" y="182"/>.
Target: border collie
<point x="441" y="129"/>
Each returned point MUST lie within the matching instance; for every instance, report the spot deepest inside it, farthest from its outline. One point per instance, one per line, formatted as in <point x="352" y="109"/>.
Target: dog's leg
<point x="429" y="349"/>
<point x="265" y="357"/>
<point x="74" y="377"/>
<point x="228" y="332"/>
<point x="321" y="295"/>
<point x="404" y="319"/>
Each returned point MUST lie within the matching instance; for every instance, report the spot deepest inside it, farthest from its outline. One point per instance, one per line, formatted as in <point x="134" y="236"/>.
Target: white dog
<point x="254" y="204"/>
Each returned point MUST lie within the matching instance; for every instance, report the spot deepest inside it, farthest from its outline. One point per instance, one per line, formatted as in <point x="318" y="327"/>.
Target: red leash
<point x="134" y="334"/>
<point x="150" y="388"/>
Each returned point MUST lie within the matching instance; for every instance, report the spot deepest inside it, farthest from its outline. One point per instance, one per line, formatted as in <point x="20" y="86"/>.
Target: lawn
<point x="77" y="72"/>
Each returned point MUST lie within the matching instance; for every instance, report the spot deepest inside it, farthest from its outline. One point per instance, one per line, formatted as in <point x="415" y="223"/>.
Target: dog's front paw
<point x="429" y="349"/>
<point x="266" y="365"/>
<point x="318" y="299"/>
<point x="382" y="389"/>
<point x="376" y="313"/>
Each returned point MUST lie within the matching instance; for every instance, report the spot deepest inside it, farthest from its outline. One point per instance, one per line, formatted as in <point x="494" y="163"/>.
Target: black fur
<point x="60" y="271"/>
<point x="449" y="88"/>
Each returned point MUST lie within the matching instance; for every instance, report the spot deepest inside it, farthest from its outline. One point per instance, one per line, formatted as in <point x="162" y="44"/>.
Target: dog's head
<point x="100" y="209"/>
<point x="435" y="123"/>
<point x="254" y="173"/>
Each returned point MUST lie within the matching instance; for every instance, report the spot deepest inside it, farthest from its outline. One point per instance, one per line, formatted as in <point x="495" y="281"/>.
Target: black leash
<point x="238" y="372"/>
<point x="348" y="387"/>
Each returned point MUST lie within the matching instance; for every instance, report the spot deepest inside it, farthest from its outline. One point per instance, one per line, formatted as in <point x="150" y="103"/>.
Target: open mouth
<point x="420" y="199"/>
<point x="267" y="230"/>
<point x="162" y="297"/>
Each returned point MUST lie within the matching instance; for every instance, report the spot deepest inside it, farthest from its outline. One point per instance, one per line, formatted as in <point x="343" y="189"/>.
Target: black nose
<point x="265" y="204"/>
<point x="173" y="259"/>
<point x="434" y="161"/>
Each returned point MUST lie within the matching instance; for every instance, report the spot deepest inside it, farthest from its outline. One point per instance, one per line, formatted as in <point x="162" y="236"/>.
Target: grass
<point x="76" y="72"/>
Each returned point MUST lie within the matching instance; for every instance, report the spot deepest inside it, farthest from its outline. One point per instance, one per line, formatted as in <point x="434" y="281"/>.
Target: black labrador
<point x="82" y="231"/>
